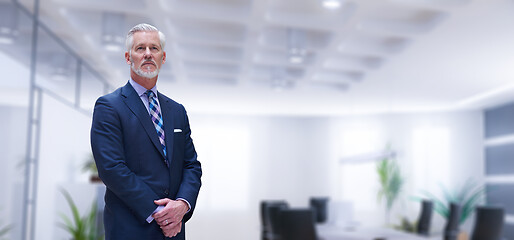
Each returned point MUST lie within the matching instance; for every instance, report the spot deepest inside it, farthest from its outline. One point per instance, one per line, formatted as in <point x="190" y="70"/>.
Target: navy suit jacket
<point x="130" y="162"/>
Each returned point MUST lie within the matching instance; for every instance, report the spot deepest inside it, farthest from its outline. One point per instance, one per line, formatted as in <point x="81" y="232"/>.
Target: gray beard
<point x="141" y="73"/>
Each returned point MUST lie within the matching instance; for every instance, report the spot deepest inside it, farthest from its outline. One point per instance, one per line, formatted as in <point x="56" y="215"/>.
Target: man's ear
<point x="127" y="58"/>
<point x="163" y="57"/>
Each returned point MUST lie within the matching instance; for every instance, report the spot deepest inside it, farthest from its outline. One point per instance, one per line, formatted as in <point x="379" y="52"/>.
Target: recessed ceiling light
<point x="6" y="40"/>
<point x="296" y="59"/>
<point x="331" y="4"/>
<point x="112" y="31"/>
<point x="296" y="45"/>
<point x="296" y="55"/>
<point x="8" y="23"/>
<point x="113" y="47"/>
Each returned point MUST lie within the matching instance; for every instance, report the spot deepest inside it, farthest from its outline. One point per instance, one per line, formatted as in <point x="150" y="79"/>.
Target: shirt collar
<point x="140" y="89"/>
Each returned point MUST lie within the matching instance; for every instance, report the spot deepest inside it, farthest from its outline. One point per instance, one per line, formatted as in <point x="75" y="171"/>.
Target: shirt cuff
<point x="189" y="205"/>
<point x="150" y="218"/>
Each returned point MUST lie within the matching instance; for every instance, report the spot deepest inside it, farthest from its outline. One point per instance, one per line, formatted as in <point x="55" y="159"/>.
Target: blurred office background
<point x="288" y="100"/>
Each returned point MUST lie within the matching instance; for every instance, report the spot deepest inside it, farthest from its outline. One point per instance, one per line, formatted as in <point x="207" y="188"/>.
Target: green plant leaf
<point x="440" y="206"/>
<point x="91" y="220"/>
<point x="468" y="206"/>
<point x="391" y="181"/>
<point x="67" y="225"/>
<point x="468" y="196"/>
<point x="5" y="230"/>
<point x="80" y="228"/>
<point x="449" y="197"/>
<point x="406" y="225"/>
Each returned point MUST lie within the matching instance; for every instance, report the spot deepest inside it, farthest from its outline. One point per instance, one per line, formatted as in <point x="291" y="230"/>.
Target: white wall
<point x="13" y="129"/>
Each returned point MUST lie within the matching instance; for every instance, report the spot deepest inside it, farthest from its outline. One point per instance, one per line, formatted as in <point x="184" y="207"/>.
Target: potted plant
<point x="81" y="227"/>
<point x="90" y="166"/>
<point x="467" y="196"/>
<point x="406" y="225"/>
<point x="4" y="230"/>
<point x="391" y="183"/>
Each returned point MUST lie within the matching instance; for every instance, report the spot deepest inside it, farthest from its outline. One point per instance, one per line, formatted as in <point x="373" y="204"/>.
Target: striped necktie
<point x="157" y="120"/>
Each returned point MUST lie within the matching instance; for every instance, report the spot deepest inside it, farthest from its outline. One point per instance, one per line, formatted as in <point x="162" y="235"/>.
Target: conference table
<point x="334" y="232"/>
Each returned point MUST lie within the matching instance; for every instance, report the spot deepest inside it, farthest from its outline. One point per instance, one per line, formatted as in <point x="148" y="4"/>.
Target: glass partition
<point x="92" y="89"/>
<point x="34" y="135"/>
<point x="56" y="68"/>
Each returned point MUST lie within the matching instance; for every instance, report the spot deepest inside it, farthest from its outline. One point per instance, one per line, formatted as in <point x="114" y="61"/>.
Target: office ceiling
<point x="298" y="57"/>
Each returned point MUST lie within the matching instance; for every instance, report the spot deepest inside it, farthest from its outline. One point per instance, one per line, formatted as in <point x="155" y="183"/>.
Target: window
<point x="224" y="154"/>
<point x="431" y="158"/>
<point x="358" y="178"/>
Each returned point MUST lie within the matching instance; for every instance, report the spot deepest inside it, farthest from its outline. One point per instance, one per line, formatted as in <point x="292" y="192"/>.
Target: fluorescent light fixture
<point x="280" y="80"/>
<point x="8" y="23"/>
<point x="113" y="36"/>
<point x="296" y="43"/>
<point x="281" y="84"/>
<point x="112" y="48"/>
<point x="331" y="4"/>
<point x="296" y="55"/>
<point x="296" y="59"/>
<point x="6" y="40"/>
<point x="368" y="157"/>
<point x="62" y="67"/>
<point x="56" y="77"/>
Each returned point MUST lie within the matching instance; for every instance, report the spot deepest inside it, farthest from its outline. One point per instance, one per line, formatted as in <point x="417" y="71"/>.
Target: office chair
<point x="451" y="230"/>
<point x="425" y="218"/>
<point x="269" y="218"/>
<point x="297" y="224"/>
<point x="319" y="205"/>
<point x="488" y="223"/>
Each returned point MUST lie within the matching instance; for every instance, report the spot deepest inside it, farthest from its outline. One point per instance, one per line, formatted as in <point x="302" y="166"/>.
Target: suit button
<point x="166" y="192"/>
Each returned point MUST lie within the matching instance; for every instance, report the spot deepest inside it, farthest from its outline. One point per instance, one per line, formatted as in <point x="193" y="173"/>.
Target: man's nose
<point x="148" y="53"/>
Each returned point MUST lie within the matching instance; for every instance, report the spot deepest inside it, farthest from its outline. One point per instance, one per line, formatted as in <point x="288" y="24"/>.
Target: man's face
<point x="146" y="55"/>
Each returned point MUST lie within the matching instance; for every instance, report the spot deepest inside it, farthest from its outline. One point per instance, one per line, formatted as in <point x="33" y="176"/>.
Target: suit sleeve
<point x="108" y="151"/>
<point x="191" y="173"/>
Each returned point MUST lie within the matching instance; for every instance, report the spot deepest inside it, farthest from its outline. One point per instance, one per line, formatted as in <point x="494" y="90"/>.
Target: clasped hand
<point x="170" y="217"/>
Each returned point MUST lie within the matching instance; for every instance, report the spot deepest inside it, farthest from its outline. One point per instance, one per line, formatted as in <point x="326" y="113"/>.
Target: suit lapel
<point x="133" y="102"/>
<point x="167" y="118"/>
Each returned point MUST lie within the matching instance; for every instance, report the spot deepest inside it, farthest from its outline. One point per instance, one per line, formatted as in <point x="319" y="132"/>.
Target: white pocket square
<point x="177" y="130"/>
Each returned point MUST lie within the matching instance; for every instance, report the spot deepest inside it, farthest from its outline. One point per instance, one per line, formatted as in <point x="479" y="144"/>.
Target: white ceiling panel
<point x="427" y="52"/>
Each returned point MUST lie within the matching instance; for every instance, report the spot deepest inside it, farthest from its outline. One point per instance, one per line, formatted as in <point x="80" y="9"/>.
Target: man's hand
<point x="170" y="217"/>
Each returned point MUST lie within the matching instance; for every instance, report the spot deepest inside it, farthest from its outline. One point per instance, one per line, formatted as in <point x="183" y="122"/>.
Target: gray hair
<point x="143" y="27"/>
